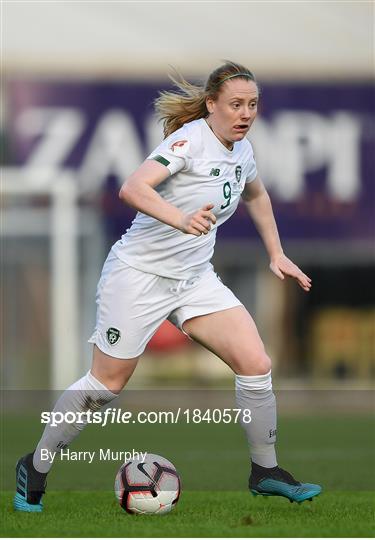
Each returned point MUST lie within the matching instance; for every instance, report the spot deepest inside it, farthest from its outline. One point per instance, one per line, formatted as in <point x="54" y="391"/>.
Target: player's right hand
<point x="199" y="222"/>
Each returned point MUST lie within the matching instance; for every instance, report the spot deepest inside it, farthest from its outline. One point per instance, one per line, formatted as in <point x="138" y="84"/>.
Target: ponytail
<point x="185" y="105"/>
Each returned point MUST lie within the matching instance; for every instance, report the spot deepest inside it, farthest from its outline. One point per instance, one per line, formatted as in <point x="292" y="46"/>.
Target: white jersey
<point x="202" y="171"/>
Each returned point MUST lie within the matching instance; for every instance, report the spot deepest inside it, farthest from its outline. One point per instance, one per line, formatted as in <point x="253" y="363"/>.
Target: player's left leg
<point x="232" y="335"/>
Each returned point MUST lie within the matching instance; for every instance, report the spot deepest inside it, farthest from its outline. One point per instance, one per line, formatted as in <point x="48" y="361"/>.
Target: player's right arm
<point x="139" y="193"/>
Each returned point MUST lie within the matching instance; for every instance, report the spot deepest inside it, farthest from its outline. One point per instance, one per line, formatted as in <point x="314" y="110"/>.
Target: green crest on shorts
<point x="113" y="335"/>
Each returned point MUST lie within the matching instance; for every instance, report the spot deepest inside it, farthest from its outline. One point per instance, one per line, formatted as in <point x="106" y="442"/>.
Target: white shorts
<point x="131" y="305"/>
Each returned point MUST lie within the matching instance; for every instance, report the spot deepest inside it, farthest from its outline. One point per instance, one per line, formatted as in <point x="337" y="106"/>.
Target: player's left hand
<point x="281" y="266"/>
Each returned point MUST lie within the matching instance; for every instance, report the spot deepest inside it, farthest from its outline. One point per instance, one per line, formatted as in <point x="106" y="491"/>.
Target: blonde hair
<point x="175" y="108"/>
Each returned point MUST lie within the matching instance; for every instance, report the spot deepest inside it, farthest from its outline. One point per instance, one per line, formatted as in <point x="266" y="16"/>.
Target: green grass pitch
<point x="198" y="514"/>
<point x="336" y="451"/>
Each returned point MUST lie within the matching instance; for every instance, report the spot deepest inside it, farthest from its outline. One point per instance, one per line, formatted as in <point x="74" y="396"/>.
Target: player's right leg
<point x="127" y="318"/>
<point x="97" y="388"/>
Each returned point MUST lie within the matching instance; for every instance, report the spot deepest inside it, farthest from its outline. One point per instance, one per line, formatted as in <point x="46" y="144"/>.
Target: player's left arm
<point x="259" y="207"/>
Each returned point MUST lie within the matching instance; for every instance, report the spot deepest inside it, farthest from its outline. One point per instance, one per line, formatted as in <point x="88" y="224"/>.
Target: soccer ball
<point x="151" y="486"/>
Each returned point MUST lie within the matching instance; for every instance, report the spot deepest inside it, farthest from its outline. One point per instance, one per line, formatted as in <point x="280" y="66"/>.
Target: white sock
<point x="255" y="393"/>
<point x="85" y="394"/>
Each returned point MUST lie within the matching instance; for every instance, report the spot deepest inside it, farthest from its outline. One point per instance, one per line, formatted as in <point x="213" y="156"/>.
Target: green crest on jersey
<point x="113" y="335"/>
<point x="215" y="172"/>
<point x="238" y="172"/>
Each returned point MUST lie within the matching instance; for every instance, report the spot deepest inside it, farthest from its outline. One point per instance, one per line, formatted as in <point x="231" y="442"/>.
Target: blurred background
<point x="78" y="84"/>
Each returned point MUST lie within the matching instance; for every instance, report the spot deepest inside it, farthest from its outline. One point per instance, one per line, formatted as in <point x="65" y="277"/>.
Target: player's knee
<point x="115" y="381"/>
<point x="114" y="384"/>
<point x="254" y="364"/>
<point x="263" y="364"/>
<point x="112" y="372"/>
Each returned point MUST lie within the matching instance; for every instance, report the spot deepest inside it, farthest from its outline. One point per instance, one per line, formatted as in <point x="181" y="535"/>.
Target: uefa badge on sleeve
<point x="113" y="335"/>
<point x="238" y="173"/>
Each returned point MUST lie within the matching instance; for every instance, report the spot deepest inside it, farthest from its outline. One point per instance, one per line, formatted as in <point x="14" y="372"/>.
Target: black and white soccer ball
<point x="151" y="486"/>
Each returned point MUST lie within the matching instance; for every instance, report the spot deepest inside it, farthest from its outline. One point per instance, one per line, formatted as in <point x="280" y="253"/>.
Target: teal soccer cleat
<point x="277" y="482"/>
<point x="30" y="486"/>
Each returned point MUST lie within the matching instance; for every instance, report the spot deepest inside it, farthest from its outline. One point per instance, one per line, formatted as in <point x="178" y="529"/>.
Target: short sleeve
<point x="173" y="152"/>
<point x="252" y="171"/>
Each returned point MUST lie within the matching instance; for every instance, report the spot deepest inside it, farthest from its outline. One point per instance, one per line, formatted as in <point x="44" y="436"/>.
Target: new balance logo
<point x="215" y="172"/>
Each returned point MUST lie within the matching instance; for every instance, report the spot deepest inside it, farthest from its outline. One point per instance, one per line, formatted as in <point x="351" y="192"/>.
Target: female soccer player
<point x="160" y="269"/>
